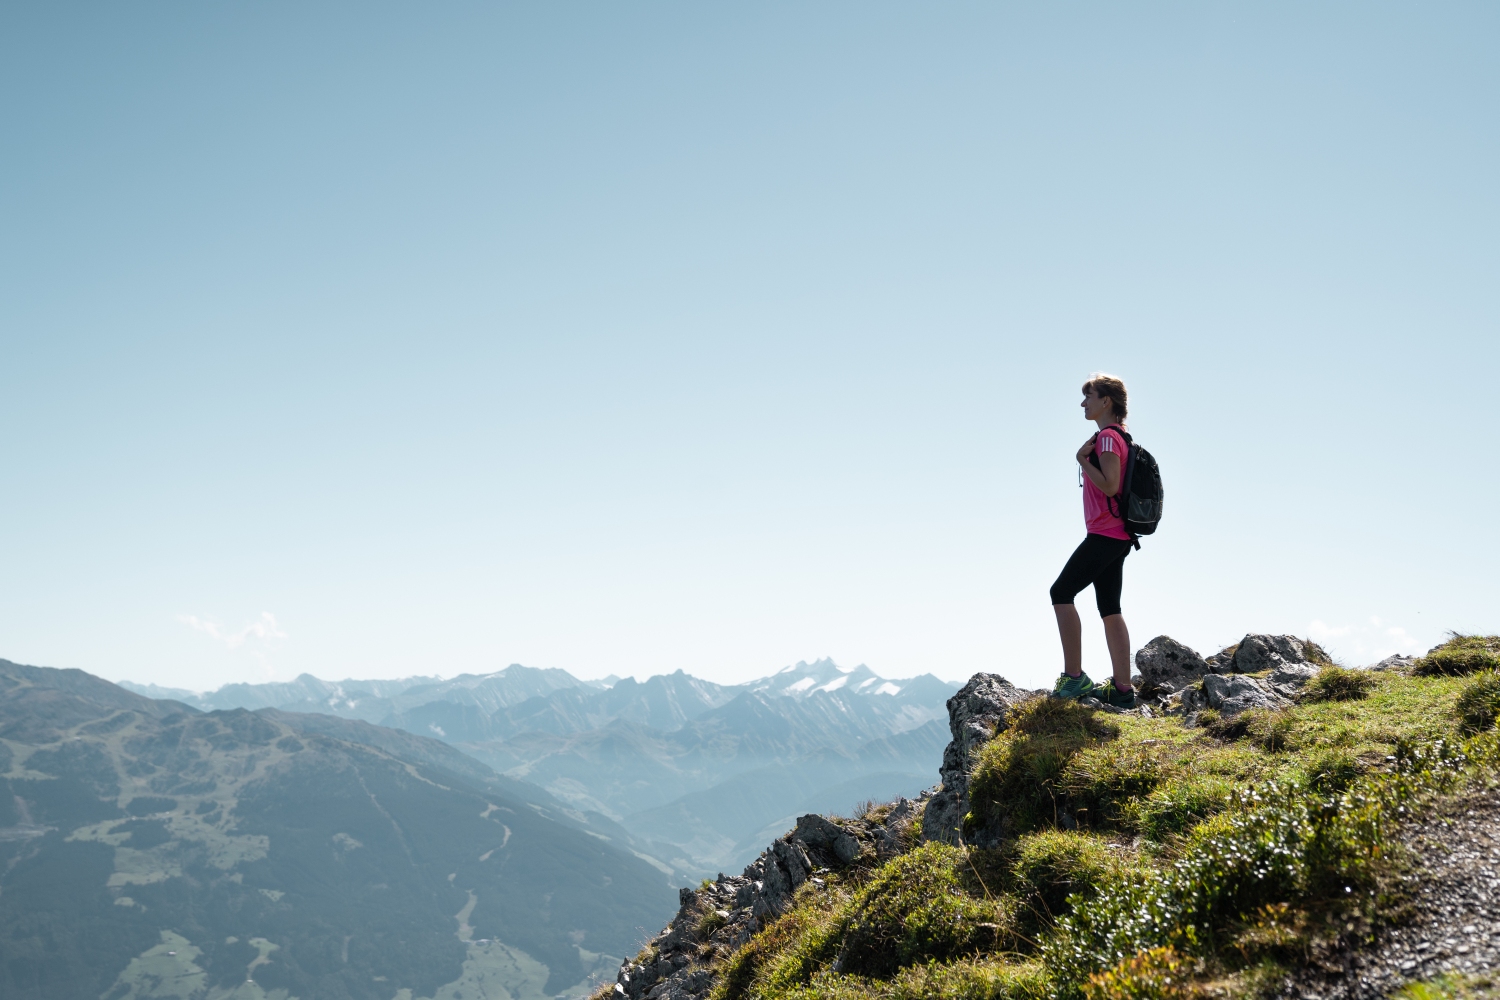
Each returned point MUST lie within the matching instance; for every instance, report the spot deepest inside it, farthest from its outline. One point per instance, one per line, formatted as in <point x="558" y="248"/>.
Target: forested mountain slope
<point x="691" y="772"/>
<point x="150" y="850"/>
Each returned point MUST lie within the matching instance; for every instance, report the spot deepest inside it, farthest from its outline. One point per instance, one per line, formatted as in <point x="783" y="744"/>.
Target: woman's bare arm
<point x="1107" y="476"/>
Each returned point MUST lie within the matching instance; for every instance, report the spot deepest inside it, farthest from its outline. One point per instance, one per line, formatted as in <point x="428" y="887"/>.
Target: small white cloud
<point x="1320" y="631"/>
<point x="263" y="629"/>
<point x="1360" y="644"/>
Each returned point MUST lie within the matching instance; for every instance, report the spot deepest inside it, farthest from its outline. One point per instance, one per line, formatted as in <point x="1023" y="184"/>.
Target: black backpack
<point x="1139" y="501"/>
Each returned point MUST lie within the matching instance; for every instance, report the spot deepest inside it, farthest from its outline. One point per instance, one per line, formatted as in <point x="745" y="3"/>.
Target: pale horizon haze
<point x="383" y="339"/>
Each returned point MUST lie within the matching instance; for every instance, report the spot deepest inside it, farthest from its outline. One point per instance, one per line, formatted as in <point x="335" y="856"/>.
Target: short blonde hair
<point x="1111" y="388"/>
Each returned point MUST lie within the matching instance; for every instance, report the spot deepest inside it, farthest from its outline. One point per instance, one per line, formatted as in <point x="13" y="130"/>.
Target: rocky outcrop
<point x="1166" y="666"/>
<point x="1267" y="652"/>
<point x="1183" y="682"/>
<point x="1233" y="694"/>
<point x="719" y="916"/>
<point x="975" y="715"/>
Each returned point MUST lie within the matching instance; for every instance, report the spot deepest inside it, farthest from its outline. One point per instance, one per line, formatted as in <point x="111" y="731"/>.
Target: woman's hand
<point x="1086" y="450"/>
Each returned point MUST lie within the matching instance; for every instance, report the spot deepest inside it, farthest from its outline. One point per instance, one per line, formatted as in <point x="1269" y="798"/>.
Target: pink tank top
<point x="1096" y="516"/>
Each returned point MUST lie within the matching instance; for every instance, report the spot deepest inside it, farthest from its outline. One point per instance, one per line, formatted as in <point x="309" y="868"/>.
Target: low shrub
<point x="1460" y="656"/>
<point x="1479" y="703"/>
<point x="1338" y="684"/>
<point x="1016" y="783"/>
<point x="1153" y="974"/>
<point x="1274" y="930"/>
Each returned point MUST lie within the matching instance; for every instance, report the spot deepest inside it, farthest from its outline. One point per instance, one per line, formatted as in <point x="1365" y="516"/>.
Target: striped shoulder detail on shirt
<point x="1107" y="442"/>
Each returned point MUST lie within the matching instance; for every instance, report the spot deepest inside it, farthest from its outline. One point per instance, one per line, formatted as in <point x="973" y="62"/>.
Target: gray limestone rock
<point x="1267" y="652"/>
<point x="1234" y="693"/>
<point x="979" y="710"/>
<point x="815" y="831"/>
<point x="1221" y="662"/>
<point x="1396" y="662"/>
<point x="903" y="813"/>
<point x="1166" y="666"/>
<point x="1289" y="678"/>
<point x="892" y="835"/>
<point x="1293" y="674"/>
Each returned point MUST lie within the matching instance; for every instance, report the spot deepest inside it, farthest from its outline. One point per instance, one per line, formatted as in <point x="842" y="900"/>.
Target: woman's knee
<point x="1107" y="597"/>
<point x="1060" y="593"/>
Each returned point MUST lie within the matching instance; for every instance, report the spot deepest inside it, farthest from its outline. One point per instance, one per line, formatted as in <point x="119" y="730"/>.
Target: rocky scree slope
<point x="1234" y="827"/>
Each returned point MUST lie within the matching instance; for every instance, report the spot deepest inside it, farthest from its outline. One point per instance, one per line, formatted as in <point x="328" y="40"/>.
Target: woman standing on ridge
<point x="1100" y="560"/>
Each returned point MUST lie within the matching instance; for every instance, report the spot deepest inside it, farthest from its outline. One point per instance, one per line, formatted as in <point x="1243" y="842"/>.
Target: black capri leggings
<point x="1100" y="560"/>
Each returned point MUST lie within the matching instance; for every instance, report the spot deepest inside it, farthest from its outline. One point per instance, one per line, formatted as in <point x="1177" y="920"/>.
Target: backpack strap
<point x="1127" y="463"/>
<point x="1124" y="465"/>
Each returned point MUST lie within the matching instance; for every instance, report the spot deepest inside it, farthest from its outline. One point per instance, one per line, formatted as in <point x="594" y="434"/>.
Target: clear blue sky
<point x="380" y="339"/>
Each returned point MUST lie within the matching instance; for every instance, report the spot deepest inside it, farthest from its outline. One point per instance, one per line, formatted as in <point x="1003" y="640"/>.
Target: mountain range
<point x="151" y="849"/>
<point x="690" y="772"/>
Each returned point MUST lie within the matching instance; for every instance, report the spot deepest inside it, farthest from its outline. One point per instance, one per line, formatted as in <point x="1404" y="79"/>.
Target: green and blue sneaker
<point x="1111" y="695"/>
<point x="1070" y="687"/>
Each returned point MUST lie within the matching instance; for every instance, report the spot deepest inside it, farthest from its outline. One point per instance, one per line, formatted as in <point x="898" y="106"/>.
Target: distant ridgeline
<point x="699" y="774"/>
<point x="148" y="849"/>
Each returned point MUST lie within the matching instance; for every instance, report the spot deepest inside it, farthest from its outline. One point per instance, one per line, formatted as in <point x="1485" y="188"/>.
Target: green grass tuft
<point x="1267" y="729"/>
<point x="1177" y="805"/>
<point x="708" y="923"/>
<point x="1017" y="782"/>
<point x="1316" y="654"/>
<point x="1052" y="867"/>
<point x="1460" y="656"/>
<point x="1338" y="684"/>
<point x="1330" y="770"/>
<point x="915" y="909"/>
<point x="1451" y="986"/>
<point x="1478" y="703"/>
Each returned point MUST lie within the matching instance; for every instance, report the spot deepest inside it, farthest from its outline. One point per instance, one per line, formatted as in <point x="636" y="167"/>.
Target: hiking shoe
<point x="1069" y="687"/>
<point x="1111" y="695"/>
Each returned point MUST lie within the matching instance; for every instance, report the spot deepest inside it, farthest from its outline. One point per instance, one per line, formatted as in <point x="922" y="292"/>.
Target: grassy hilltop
<point x="1150" y="857"/>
